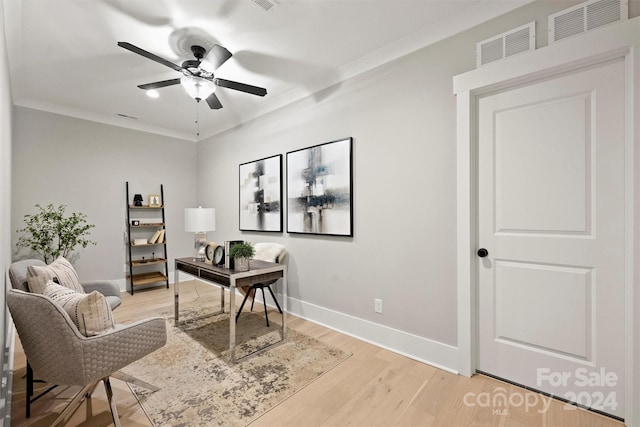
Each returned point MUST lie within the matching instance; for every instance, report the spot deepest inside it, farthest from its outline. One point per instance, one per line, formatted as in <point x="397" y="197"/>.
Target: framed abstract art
<point x="261" y="194"/>
<point x="319" y="189"/>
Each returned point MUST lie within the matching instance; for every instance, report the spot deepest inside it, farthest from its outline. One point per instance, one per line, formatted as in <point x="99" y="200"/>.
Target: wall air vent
<point x="586" y="16"/>
<point x="266" y="5"/>
<point x="507" y="44"/>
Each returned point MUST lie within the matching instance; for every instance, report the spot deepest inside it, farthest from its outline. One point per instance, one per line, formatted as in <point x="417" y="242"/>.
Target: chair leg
<point x="264" y="303"/>
<point x="29" y="389"/>
<point x="242" y="305"/>
<point x="274" y="299"/>
<point x="252" y="291"/>
<point x="89" y="407"/>
<point x="112" y="402"/>
<point x="133" y="380"/>
<point x="30" y="380"/>
<point x="74" y="404"/>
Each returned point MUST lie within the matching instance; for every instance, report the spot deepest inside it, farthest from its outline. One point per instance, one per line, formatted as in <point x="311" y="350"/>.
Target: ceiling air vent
<point x="586" y="16"/>
<point x="266" y="5"/>
<point x="126" y="116"/>
<point x="507" y="44"/>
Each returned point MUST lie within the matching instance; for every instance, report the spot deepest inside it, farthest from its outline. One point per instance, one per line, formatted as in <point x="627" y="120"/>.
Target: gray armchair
<point x="60" y="354"/>
<point x="18" y="277"/>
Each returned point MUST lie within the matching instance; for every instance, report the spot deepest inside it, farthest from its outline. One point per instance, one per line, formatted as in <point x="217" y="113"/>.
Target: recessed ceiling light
<point x="153" y="93"/>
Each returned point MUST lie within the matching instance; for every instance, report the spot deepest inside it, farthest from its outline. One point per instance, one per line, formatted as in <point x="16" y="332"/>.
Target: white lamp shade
<point x="197" y="87"/>
<point x="199" y="220"/>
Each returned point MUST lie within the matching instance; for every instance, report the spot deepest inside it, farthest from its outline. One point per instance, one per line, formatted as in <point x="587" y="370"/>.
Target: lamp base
<point x="199" y="243"/>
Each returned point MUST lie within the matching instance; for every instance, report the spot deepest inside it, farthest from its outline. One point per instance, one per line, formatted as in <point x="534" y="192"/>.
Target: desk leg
<point x="284" y="302"/>
<point x="176" y="285"/>
<point x="232" y="320"/>
<point x="221" y="299"/>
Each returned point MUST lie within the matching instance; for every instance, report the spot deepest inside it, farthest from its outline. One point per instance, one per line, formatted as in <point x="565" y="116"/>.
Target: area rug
<point x="198" y="385"/>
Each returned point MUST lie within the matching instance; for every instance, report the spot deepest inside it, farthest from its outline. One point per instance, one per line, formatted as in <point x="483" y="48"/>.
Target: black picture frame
<point x="320" y="189"/>
<point x="260" y="194"/>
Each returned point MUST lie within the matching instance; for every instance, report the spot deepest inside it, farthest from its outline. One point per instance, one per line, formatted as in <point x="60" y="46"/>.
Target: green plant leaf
<point x="50" y="234"/>
<point x="242" y="250"/>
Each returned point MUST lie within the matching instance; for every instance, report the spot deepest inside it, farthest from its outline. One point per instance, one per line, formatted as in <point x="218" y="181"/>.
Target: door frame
<point x="618" y="40"/>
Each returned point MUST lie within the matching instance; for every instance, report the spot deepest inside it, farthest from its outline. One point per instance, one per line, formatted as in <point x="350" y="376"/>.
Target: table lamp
<point x="199" y="220"/>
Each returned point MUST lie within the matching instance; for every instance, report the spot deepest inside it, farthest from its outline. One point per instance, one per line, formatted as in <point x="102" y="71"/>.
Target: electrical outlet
<point x="377" y="305"/>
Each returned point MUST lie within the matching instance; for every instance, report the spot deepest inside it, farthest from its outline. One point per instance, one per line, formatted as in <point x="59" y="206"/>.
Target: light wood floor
<point x="374" y="387"/>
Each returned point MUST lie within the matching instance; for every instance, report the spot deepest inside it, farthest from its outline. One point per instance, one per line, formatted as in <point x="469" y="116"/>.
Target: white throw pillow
<point x="60" y="269"/>
<point x="90" y="312"/>
<point x="268" y="251"/>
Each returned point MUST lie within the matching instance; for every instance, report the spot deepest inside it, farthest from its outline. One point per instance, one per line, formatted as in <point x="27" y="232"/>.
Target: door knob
<point x="482" y="252"/>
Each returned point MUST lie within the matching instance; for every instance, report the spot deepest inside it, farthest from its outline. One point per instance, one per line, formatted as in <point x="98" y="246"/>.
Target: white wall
<point x="85" y="165"/>
<point x="5" y="206"/>
<point x="404" y="193"/>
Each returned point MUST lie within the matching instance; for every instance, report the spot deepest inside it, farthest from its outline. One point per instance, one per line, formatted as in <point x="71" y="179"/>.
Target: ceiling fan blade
<point x="214" y="102"/>
<point x="157" y="85"/>
<point x="218" y="55"/>
<point x="254" y="90"/>
<point x="149" y="55"/>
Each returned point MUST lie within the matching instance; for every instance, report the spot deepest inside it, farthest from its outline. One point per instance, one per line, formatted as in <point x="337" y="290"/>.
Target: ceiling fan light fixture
<point x="197" y="87"/>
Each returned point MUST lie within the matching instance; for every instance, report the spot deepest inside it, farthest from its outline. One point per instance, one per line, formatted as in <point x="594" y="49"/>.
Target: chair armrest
<point x="105" y="287"/>
<point x="113" y="350"/>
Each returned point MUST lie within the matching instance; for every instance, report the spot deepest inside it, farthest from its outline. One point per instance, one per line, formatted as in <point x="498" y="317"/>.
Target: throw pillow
<point x="36" y="282"/>
<point x="268" y="251"/>
<point x="89" y="312"/>
<point x="61" y="269"/>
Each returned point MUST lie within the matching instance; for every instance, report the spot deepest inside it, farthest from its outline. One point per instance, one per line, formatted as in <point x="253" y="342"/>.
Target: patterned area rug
<point x="198" y="386"/>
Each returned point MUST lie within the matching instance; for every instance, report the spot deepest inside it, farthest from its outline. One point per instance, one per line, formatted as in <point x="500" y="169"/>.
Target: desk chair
<point x="272" y="252"/>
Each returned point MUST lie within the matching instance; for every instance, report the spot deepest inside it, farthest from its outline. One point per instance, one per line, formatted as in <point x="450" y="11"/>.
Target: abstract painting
<point x="319" y="189"/>
<point x="261" y="194"/>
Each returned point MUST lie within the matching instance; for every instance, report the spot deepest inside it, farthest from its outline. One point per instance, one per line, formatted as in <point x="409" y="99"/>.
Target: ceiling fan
<point x="198" y="82"/>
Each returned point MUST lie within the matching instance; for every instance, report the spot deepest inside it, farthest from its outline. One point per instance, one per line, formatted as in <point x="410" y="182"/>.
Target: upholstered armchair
<point x="60" y="354"/>
<point x="271" y="252"/>
<point x="18" y="278"/>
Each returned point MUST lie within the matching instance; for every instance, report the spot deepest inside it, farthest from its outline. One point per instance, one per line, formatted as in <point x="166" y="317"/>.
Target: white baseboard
<point x="424" y="350"/>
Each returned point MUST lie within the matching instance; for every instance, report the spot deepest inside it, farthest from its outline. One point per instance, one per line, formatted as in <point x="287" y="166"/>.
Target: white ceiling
<point x="64" y="57"/>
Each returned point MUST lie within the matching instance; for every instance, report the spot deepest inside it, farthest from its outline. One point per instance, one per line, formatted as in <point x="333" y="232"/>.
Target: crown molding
<point x="101" y="118"/>
<point x="473" y="16"/>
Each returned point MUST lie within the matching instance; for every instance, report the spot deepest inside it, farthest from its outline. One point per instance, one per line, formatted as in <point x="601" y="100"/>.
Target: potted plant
<point x="241" y="252"/>
<point x="51" y="234"/>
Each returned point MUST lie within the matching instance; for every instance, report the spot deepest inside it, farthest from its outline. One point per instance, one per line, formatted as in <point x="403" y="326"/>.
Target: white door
<point x="551" y="216"/>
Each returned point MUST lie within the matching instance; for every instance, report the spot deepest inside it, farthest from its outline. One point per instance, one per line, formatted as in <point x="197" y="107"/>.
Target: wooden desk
<point x="260" y="272"/>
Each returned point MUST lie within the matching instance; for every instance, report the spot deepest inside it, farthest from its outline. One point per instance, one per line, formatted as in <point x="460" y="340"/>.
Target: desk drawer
<point x="217" y="278"/>
<point x="188" y="269"/>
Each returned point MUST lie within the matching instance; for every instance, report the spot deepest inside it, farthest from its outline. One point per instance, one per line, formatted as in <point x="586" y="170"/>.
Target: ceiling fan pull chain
<point x="198" y="118"/>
